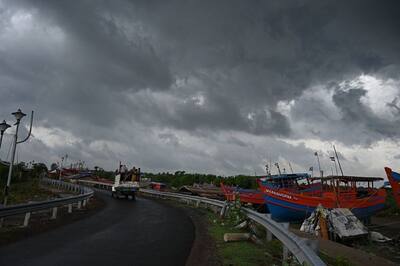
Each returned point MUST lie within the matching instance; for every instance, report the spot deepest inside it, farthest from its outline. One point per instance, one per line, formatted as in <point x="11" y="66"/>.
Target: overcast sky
<point x="204" y="86"/>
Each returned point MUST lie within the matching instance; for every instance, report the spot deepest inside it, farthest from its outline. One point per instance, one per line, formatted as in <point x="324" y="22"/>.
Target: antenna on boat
<point x="267" y="169"/>
<point x="312" y="171"/>
<point x="319" y="165"/>
<point x="277" y="166"/>
<point x="334" y="161"/>
<point x="290" y="166"/>
<point x="270" y="166"/>
<point x="340" y="166"/>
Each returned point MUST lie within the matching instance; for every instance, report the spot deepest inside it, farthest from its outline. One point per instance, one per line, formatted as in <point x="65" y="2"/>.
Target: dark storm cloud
<point x="252" y="54"/>
<point x="101" y="69"/>
<point x="346" y="118"/>
<point x="355" y="112"/>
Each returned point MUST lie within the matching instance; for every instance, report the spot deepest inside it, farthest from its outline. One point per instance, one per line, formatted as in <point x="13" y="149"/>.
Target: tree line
<point x="181" y="178"/>
<point x="22" y="171"/>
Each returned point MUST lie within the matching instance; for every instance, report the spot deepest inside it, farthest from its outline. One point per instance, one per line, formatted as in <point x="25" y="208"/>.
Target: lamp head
<point x="18" y="115"/>
<point x="4" y="126"/>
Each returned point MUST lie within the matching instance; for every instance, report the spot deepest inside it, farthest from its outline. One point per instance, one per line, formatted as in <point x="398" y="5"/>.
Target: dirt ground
<point x="363" y="251"/>
<point x="203" y="250"/>
<point x="389" y="227"/>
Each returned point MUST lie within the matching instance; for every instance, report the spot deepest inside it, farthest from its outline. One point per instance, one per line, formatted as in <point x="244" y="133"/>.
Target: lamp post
<point x="3" y="128"/>
<point x="18" y="116"/>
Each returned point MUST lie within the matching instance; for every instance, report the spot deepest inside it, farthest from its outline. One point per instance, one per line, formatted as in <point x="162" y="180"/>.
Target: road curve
<point x="141" y="232"/>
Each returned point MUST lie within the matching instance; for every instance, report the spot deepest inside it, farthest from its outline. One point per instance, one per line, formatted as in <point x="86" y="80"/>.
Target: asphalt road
<point x="141" y="232"/>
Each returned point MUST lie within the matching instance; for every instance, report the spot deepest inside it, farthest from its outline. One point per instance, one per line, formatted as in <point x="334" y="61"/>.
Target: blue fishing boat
<point x="288" y="201"/>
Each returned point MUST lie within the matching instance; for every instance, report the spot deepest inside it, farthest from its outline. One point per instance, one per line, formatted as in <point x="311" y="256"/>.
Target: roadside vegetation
<point x="25" y="183"/>
<point x="250" y="254"/>
<point x="244" y="252"/>
<point x="338" y="261"/>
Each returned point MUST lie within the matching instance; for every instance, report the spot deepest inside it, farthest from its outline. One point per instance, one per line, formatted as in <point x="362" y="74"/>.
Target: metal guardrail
<point x="81" y="199"/>
<point x="95" y="184"/>
<point x="303" y="249"/>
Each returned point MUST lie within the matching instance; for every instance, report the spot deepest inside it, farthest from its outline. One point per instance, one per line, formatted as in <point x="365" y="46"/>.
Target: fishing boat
<point x="290" y="182"/>
<point x="252" y="196"/>
<point x="394" y="180"/>
<point x="294" y="197"/>
<point x="256" y="196"/>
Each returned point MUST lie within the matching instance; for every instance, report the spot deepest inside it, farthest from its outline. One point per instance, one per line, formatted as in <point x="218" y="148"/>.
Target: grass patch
<point x="338" y="261"/>
<point x="243" y="253"/>
<point x="24" y="191"/>
<point x="250" y="254"/>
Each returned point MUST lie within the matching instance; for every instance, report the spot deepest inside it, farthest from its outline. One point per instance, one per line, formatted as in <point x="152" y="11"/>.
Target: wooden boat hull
<point x="394" y="180"/>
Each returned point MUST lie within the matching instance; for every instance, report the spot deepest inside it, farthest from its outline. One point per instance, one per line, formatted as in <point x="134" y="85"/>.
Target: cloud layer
<point x="202" y="85"/>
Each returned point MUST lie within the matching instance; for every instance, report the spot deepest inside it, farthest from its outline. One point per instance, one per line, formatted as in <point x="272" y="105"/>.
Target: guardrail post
<point x="285" y="249"/>
<point x="26" y="219"/>
<point x="70" y="208"/>
<point x="198" y="203"/>
<point x="79" y="205"/>
<point x="84" y="203"/>
<point x="54" y="213"/>
<point x="223" y="210"/>
<point x="269" y="233"/>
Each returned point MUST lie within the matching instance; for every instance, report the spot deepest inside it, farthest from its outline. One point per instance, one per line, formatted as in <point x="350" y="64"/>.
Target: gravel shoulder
<point x="204" y="249"/>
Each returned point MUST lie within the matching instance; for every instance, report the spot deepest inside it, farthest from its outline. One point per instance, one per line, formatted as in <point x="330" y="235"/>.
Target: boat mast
<point x="340" y="166"/>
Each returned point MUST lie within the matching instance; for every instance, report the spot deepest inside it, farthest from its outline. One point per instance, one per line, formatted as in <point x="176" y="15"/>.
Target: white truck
<point x="126" y="183"/>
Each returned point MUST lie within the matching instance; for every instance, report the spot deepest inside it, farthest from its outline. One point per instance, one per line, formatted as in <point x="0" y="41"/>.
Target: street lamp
<point x="18" y="116"/>
<point x="3" y="128"/>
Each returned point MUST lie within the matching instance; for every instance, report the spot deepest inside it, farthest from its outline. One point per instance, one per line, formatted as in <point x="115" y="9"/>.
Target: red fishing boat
<point x="288" y="201"/>
<point x="256" y="196"/>
<point x="252" y="196"/>
<point x="394" y="180"/>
